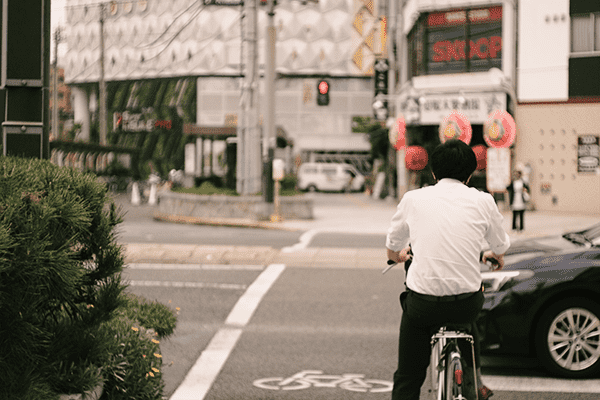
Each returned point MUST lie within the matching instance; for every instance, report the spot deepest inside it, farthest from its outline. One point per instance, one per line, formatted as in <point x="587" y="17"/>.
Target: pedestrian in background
<point x="518" y="195"/>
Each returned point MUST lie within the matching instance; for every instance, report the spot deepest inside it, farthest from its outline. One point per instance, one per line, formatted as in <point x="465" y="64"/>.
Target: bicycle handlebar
<point x="490" y="260"/>
<point x="391" y="264"/>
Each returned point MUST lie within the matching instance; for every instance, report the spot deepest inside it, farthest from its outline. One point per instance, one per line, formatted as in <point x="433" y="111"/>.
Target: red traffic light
<point x="323" y="87"/>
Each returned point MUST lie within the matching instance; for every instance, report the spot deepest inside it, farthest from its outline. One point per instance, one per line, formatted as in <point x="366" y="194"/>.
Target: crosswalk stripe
<point x="189" y="285"/>
<point x="194" y="267"/>
<point x="526" y="384"/>
<point x="201" y="376"/>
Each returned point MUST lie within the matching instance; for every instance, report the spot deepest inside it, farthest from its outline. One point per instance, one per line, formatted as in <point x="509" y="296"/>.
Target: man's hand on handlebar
<point x="399" y="256"/>
<point x="496" y="260"/>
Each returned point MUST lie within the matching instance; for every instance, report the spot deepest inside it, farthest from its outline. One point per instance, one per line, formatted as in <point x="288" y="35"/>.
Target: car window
<point x="329" y="170"/>
<point x="309" y="170"/>
<point x="351" y="172"/>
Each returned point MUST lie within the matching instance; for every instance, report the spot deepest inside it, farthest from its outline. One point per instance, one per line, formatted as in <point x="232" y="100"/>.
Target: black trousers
<point x="521" y="215"/>
<point x="420" y="319"/>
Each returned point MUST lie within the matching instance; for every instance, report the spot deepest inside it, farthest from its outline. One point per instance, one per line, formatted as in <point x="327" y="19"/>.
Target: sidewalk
<point x="340" y="213"/>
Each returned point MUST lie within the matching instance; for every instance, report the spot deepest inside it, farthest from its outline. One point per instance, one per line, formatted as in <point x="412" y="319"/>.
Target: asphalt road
<point x="312" y="322"/>
<point x="243" y="330"/>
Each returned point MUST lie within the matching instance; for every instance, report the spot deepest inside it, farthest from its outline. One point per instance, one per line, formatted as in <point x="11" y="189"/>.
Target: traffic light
<point x="323" y="92"/>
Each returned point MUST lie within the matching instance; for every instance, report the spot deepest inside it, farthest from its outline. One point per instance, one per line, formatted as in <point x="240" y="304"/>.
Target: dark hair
<point x="453" y="159"/>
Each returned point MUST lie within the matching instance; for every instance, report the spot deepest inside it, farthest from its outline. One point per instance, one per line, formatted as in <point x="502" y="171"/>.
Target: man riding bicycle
<point x="446" y="225"/>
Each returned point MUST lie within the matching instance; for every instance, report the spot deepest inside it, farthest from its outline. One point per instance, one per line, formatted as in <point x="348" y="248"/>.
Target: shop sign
<point x="139" y="122"/>
<point x="475" y="106"/>
<point x="588" y="153"/>
<point x="498" y="169"/>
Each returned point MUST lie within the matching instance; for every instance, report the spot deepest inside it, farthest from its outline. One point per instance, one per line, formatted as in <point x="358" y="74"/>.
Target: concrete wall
<point x="547" y="142"/>
<point x="218" y="207"/>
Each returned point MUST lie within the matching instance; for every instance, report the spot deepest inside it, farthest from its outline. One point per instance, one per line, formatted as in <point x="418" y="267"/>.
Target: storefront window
<point x="456" y="41"/>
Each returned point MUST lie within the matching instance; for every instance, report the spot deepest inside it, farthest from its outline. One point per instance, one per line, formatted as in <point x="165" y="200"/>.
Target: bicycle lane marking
<point x="205" y="370"/>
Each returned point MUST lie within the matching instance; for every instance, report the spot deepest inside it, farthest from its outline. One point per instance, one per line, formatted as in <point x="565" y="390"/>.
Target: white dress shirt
<point x="446" y="225"/>
<point x="518" y="203"/>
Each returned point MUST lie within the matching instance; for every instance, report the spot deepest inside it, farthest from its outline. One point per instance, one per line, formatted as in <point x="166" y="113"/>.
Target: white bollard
<point x="153" y="195"/>
<point x="135" y="194"/>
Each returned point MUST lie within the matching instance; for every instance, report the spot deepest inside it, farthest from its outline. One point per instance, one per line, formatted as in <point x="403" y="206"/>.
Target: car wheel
<point x="568" y="338"/>
<point x="311" y="188"/>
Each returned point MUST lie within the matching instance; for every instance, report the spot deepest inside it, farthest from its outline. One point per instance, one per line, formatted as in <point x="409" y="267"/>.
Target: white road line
<point x="524" y="384"/>
<point x="248" y="303"/>
<point x="193" y="267"/>
<point x="303" y="241"/>
<point x="201" y="376"/>
<point x="191" y="285"/>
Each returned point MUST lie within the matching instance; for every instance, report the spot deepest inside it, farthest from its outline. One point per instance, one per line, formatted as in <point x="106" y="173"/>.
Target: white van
<point x="334" y="177"/>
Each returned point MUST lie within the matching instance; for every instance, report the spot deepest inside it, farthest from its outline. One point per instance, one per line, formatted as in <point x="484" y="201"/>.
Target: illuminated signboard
<point x="456" y="41"/>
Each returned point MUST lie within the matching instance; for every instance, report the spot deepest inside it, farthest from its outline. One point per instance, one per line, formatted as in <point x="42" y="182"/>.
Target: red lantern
<point x="481" y="154"/>
<point x="499" y="130"/>
<point x="416" y="158"/>
<point x="399" y="140"/>
<point x="456" y="126"/>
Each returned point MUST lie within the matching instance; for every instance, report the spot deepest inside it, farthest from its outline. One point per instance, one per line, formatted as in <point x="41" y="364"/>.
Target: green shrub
<point x="133" y="368"/>
<point x="206" y="188"/>
<point x="289" y="182"/>
<point x="215" y="180"/>
<point x="61" y="294"/>
<point x="151" y="315"/>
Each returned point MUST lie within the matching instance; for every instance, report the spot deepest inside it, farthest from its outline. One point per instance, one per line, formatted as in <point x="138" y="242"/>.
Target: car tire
<point x="568" y="338"/>
<point x="311" y="188"/>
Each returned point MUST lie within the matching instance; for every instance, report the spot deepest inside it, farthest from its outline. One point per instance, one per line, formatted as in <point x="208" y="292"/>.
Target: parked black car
<point x="546" y="302"/>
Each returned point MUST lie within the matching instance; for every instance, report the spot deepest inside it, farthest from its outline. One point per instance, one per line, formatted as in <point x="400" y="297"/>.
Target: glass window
<point x="581" y="33"/>
<point x="597" y="32"/>
<point x="456" y="41"/>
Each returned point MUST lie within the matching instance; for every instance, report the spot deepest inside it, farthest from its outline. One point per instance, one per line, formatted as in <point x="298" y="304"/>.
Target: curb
<point x="231" y="222"/>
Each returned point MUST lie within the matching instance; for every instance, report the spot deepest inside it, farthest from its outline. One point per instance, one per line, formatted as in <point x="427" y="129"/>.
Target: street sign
<point x="380" y="105"/>
<point x="382" y="68"/>
<point x="588" y="155"/>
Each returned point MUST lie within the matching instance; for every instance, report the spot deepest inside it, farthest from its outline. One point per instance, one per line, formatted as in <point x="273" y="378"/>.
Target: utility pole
<point x="269" y="139"/>
<point x="55" y="122"/>
<point x="102" y="83"/>
<point x="248" y="150"/>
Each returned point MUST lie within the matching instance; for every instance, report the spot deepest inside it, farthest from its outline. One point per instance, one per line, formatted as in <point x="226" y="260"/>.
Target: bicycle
<point x="447" y="362"/>
<point x="448" y="365"/>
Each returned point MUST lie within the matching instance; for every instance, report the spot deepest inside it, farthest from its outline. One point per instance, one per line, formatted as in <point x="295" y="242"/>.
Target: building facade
<point x="455" y="56"/>
<point x="558" y="114"/>
<point x="185" y="59"/>
<point x="64" y="109"/>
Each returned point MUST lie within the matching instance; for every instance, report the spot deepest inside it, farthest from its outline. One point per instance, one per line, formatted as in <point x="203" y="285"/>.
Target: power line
<point x="177" y="34"/>
<point x="171" y="24"/>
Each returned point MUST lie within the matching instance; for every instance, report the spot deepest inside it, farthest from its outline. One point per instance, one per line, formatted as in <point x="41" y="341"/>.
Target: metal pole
<point x="400" y="59"/>
<point x="269" y="139"/>
<point x="102" y="83"/>
<point x="55" y="127"/>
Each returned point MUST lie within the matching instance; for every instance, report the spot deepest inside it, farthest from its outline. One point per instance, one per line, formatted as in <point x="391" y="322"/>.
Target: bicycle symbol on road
<point x="308" y="378"/>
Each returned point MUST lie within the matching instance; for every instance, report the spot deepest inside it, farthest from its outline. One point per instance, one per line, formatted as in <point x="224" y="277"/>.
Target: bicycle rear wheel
<point x="454" y="389"/>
